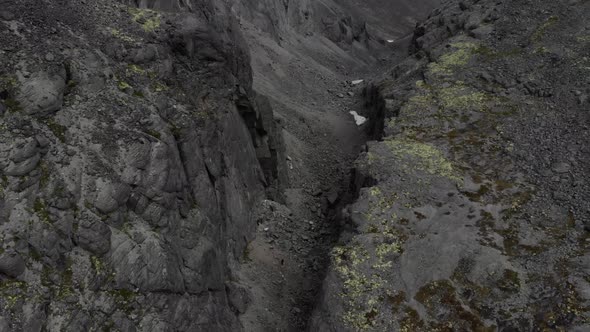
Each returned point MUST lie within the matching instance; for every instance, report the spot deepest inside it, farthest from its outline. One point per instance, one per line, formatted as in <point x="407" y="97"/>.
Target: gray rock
<point x="332" y="197"/>
<point x="111" y="196"/>
<point x="94" y="236"/>
<point x="6" y="15"/>
<point x="42" y="141"/>
<point x="123" y="323"/>
<point x="4" y="325"/>
<point x="25" y="151"/>
<point x="11" y="264"/>
<point x="474" y="20"/>
<point x="145" y="54"/>
<point x="561" y="167"/>
<point x="24" y="167"/>
<point x="34" y="317"/>
<point x="239" y="297"/>
<point x="42" y="93"/>
<point x="481" y="32"/>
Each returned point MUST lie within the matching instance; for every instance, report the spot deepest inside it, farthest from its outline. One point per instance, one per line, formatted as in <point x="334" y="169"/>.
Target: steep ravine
<point x="192" y="165"/>
<point x="141" y="143"/>
<point x="307" y="78"/>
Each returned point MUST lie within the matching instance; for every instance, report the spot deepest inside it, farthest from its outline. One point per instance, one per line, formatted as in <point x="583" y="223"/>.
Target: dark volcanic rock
<point x="11" y="264"/>
<point x="131" y="159"/>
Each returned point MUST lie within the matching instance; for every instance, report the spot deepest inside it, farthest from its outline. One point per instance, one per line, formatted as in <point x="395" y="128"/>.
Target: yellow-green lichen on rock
<point x="462" y="97"/>
<point x="12" y="291"/>
<point x="123" y="36"/>
<point x="148" y="19"/>
<point x="449" y="62"/>
<point x="380" y="201"/>
<point x="361" y="290"/>
<point x="384" y="253"/>
<point x="122" y="85"/>
<point x="422" y="157"/>
<point x="433" y="107"/>
<point x="134" y="69"/>
<point x="363" y="265"/>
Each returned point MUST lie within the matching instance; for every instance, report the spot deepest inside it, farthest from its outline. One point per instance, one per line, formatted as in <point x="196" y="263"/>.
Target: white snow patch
<point x="359" y="119"/>
<point x="356" y="82"/>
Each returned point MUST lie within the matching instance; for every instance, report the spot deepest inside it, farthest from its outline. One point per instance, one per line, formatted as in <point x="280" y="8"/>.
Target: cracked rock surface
<point x="472" y="209"/>
<point x="195" y="165"/>
<point x="132" y="153"/>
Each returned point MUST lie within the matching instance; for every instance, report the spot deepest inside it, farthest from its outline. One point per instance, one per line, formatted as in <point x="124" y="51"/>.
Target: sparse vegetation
<point x="153" y="133"/>
<point x="44" y="179"/>
<point x="542" y="30"/>
<point x="451" y="61"/>
<point x="123" y="36"/>
<point x="421" y="156"/>
<point x="123" y="86"/>
<point x="148" y="19"/>
<point x="41" y="210"/>
<point x="58" y="130"/>
<point x="134" y="69"/>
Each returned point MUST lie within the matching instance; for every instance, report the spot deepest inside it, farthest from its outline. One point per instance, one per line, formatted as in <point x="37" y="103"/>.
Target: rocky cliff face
<point x="132" y="153"/>
<point x="473" y="203"/>
<point x="145" y="184"/>
<point x="359" y="27"/>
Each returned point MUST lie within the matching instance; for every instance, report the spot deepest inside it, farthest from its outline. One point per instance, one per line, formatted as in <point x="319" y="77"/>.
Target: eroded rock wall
<point x="131" y="146"/>
<point x="349" y="23"/>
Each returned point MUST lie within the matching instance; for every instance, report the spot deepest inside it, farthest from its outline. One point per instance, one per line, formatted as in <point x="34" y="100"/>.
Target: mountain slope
<point x="472" y="206"/>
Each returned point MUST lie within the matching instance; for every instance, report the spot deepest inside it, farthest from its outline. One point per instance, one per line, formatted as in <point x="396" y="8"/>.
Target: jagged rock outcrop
<point x="132" y="153"/>
<point x="473" y="209"/>
<point x="354" y="25"/>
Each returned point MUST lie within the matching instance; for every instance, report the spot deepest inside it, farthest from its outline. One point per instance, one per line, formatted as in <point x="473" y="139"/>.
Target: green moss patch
<point x="457" y="318"/>
<point x="58" y="130"/>
<point x="41" y="210"/>
<point x="66" y="288"/>
<point x="509" y="281"/>
<point x="542" y="29"/>
<point x="44" y="179"/>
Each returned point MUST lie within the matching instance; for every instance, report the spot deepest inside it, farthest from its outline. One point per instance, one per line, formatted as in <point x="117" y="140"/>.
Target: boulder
<point x="11" y="264"/>
<point x="42" y="93"/>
